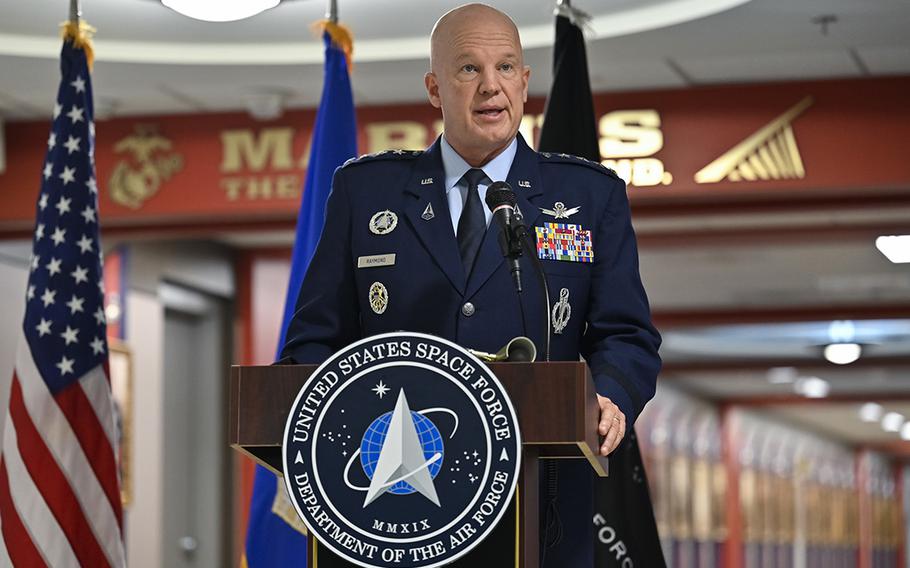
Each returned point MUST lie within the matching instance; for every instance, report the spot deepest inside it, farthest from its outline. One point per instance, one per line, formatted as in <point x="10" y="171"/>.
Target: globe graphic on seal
<point x="373" y="438"/>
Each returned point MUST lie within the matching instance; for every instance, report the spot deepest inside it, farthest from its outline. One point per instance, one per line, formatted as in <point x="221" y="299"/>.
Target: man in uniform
<point x="409" y="245"/>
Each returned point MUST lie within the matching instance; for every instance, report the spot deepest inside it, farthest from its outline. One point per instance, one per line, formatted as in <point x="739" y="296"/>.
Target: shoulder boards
<point x="570" y="159"/>
<point x="384" y="155"/>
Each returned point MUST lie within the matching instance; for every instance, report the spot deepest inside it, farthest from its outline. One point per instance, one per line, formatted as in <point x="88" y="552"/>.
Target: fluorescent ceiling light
<point x="812" y="387"/>
<point x="843" y="353"/>
<point x="895" y="247"/>
<point x="892" y="422"/>
<point x="870" y="412"/>
<point x="220" y="10"/>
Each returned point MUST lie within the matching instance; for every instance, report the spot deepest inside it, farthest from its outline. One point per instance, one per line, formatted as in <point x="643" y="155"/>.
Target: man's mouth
<point x="490" y="112"/>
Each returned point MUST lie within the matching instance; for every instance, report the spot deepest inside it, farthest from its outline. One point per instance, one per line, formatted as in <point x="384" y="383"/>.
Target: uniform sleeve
<point x="326" y="316"/>
<point x="620" y="343"/>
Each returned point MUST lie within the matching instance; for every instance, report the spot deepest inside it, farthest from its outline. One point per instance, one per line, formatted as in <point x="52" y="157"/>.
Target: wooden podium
<point x="555" y="402"/>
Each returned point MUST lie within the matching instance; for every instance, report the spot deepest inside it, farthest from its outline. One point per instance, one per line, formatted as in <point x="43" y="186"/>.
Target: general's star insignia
<point x="560" y="211"/>
<point x="383" y="222"/>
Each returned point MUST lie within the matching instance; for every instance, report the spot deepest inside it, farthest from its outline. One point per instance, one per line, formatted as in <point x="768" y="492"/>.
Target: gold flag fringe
<point x="81" y="35"/>
<point x="341" y="37"/>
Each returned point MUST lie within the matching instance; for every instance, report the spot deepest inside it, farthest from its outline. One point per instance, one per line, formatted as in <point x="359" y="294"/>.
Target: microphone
<point x="501" y="201"/>
<point x="513" y="239"/>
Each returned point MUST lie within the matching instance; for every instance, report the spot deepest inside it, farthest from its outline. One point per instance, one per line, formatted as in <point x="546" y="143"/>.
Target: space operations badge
<point x="403" y="449"/>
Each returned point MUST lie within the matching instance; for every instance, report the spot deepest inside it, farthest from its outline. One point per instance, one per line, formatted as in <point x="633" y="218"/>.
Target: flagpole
<point x="331" y="13"/>
<point x="75" y="11"/>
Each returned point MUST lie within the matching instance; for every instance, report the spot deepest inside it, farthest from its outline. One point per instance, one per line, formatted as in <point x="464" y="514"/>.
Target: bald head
<point x="450" y="30"/>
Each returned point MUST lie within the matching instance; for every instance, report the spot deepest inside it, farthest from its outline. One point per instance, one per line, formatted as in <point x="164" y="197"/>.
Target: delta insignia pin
<point x="428" y="213"/>
<point x="383" y="222"/>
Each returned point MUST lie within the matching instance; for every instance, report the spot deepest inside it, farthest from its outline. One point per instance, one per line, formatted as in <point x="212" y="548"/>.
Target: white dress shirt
<point x="455" y="168"/>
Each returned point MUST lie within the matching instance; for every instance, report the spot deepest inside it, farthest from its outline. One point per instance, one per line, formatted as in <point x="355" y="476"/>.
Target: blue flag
<point x="271" y="541"/>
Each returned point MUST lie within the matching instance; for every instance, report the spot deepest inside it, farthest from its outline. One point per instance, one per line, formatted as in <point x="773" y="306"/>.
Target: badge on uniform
<point x="383" y="222"/>
<point x="562" y="311"/>
<point x="379" y="298"/>
<point x="560" y="211"/>
<point x="561" y="241"/>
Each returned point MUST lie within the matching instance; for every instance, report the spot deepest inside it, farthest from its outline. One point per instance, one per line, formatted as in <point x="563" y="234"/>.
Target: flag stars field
<point x="58" y="236"/>
<point x="84" y="244"/>
<point x="48" y="170"/>
<point x="97" y="346"/>
<point x="72" y="144"/>
<point x="79" y="84"/>
<point x="68" y="175"/>
<point x="88" y="214"/>
<point x="65" y="365"/>
<point x="80" y="275"/>
<point x="48" y="297"/>
<point x="69" y="336"/>
<point x="53" y="267"/>
<point x="43" y="327"/>
<point x="75" y="305"/>
<point x="63" y="206"/>
<point x="75" y="114"/>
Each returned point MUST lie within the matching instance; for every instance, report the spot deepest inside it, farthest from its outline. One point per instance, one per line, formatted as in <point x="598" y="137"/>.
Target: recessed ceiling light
<point x="870" y="412"/>
<point x="895" y="247"/>
<point x="812" y="387"/>
<point x="220" y="10"/>
<point x="892" y="422"/>
<point x="843" y="353"/>
<point x="905" y="432"/>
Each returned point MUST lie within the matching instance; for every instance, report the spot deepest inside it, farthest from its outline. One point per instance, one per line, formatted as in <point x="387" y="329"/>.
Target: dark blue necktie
<point x="473" y="223"/>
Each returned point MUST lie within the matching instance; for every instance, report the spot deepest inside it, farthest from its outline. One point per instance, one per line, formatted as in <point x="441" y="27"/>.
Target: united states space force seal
<point x="403" y="449"/>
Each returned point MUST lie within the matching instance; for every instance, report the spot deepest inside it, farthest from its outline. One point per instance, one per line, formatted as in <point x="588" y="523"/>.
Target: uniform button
<point x="467" y="309"/>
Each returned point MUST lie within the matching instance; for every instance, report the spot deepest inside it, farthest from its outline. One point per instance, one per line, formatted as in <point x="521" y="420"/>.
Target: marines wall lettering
<point x="756" y="140"/>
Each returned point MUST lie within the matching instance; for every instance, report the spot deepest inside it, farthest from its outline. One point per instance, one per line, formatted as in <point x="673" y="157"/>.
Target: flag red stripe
<point x="19" y="545"/>
<point x="52" y="484"/>
<point x="84" y="422"/>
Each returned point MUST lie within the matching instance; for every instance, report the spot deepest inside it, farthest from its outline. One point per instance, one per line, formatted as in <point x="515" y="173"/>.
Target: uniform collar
<point x="455" y="167"/>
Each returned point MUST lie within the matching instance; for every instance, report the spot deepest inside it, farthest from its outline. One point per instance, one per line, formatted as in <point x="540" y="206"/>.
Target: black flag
<point x="624" y="525"/>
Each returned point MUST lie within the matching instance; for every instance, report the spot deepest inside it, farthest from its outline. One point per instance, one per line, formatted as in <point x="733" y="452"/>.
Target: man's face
<point x="481" y="84"/>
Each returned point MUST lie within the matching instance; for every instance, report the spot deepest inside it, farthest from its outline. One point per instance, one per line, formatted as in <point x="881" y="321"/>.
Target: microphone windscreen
<point x="500" y="193"/>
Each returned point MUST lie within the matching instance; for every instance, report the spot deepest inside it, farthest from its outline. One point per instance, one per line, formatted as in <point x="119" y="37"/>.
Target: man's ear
<point x="432" y="85"/>
<point x="525" y="76"/>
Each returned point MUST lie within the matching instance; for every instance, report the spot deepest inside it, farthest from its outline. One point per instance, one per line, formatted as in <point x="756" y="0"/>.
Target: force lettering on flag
<point x="561" y="241"/>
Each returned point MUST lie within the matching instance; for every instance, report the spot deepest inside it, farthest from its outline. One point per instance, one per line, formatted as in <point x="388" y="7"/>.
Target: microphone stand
<point x="520" y="241"/>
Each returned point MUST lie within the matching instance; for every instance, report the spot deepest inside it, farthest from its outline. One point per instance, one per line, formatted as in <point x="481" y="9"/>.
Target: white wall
<point x="145" y="327"/>
<point x="13" y="277"/>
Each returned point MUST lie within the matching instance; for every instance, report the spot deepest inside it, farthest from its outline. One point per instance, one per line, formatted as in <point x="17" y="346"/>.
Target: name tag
<point x="376" y="260"/>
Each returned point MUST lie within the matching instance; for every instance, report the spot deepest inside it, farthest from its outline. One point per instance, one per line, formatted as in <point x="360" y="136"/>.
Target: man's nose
<point x="489" y="82"/>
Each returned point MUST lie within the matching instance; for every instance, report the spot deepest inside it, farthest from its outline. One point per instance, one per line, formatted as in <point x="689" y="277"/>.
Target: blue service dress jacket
<point x="426" y="288"/>
<point x="394" y="203"/>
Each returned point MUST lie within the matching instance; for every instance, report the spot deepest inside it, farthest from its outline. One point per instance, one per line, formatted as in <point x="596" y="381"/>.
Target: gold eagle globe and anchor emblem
<point x="149" y="163"/>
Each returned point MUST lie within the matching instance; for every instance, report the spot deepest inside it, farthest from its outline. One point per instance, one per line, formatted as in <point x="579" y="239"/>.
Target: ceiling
<point x="151" y="60"/>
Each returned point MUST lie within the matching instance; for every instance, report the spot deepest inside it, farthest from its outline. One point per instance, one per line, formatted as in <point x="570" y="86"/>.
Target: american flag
<point x="59" y="488"/>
